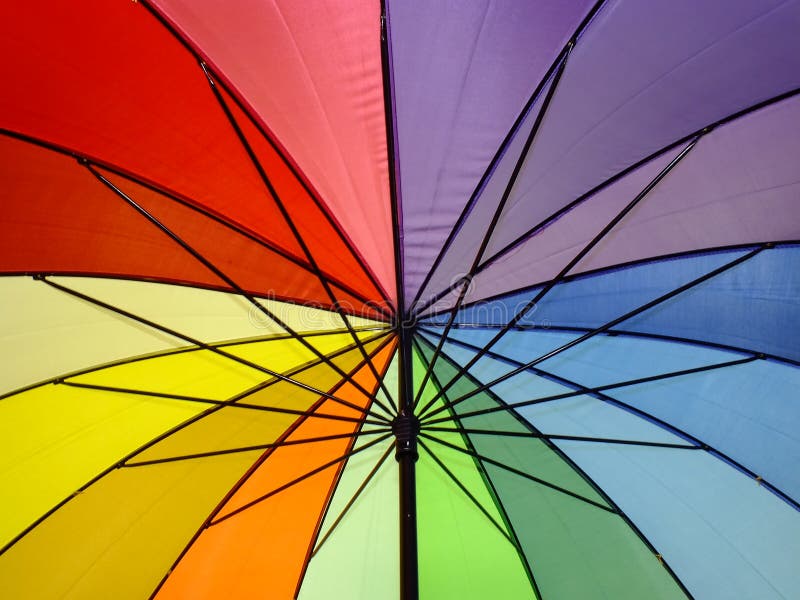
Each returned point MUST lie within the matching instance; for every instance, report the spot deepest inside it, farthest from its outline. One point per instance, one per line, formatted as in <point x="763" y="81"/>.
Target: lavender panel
<point x="644" y="75"/>
<point x="462" y="72"/>
<point x="739" y="185"/>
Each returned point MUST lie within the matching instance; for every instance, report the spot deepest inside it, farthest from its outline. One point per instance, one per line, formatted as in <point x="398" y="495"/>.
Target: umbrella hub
<point x="405" y="428"/>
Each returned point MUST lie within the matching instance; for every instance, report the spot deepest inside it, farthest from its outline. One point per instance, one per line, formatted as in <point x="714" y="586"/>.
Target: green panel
<point x="119" y="537"/>
<point x="462" y="554"/>
<point x="365" y="543"/>
<point x="574" y="549"/>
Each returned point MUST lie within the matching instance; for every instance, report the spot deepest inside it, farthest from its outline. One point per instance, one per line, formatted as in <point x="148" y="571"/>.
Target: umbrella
<point x="418" y="299"/>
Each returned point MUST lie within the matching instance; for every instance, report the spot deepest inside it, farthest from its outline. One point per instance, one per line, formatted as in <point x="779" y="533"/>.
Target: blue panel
<point x="753" y="306"/>
<point x="723" y="534"/>
<point x="748" y="412"/>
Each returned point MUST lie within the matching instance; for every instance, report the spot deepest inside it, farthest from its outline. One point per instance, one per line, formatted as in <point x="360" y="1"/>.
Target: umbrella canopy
<point x="491" y="299"/>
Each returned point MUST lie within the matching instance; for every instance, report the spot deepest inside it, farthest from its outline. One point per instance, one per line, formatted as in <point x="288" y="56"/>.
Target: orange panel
<point x="264" y="546"/>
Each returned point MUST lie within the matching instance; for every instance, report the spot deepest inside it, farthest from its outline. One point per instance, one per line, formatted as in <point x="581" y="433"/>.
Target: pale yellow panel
<point x="46" y="333"/>
<point x="206" y="314"/>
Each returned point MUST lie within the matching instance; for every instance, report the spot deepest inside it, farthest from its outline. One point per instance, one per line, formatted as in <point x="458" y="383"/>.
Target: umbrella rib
<point x="295" y="232"/>
<point x="674" y="338"/>
<point x="586" y="390"/>
<point x="617" y="176"/>
<point x="189" y="45"/>
<point x="176" y="351"/>
<point x="215" y="270"/>
<point x="528" y="287"/>
<point x="585" y="476"/>
<point x="469" y="494"/>
<point x="298" y="480"/>
<point x="232" y="226"/>
<point x="467" y="279"/>
<point x="598" y="393"/>
<point x="523" y="474"/>
<point x="555" y="436"/>
<point x="493" y="490"/>
<point x="201" y="344"/>
<point x="498" y="155"/>
<point x="211" y="453"/>
<point x="222" y="403"/>
<point x="593" y="332"/>
<point x="520" y="314"/>
<point x="352" y="500"/>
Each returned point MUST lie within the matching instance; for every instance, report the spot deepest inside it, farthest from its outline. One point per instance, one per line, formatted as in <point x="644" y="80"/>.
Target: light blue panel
<point x="535" y="387"/>
<point x="750" y="412"/>
<point x="723" y="534"/>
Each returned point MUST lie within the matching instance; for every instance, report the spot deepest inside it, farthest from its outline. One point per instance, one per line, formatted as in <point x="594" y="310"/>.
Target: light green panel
<point x="460" y="464"/>
<point x="462" y="554"/>
<point x="391" y="384"/>
<point x="120" y="536"/>
<point x="365" y="544"/>
<point x="360" y="560"/>
<point x="56" y="438"/>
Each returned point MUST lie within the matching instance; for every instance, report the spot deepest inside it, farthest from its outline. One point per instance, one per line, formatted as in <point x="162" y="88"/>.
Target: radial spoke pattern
<point x="524" y="275"/>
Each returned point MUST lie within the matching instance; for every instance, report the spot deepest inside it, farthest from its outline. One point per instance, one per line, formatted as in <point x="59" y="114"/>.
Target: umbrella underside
<point x="400" y="299"/>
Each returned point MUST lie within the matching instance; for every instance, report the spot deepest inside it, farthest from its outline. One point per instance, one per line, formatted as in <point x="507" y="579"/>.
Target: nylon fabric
<point x="339" y="144"/>
<point x="223" y="560"/>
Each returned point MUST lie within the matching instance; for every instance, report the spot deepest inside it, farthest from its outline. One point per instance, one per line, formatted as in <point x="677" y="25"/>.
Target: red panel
<point x="312" y="72"/>
<point x="58" y="217"/>
<point x="327" y="247"/>
<point x="109" y="81"/>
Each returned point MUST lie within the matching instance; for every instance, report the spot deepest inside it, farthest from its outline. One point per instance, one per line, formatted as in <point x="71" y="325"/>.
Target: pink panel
<point x="312" y="72"/>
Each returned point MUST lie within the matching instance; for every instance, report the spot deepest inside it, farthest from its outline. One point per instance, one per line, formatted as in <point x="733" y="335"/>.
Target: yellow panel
<point x="206" y="374"/>
<point x="117" y="539"/>
<point x="236" y="427"/>
<point x="56" y="438"/>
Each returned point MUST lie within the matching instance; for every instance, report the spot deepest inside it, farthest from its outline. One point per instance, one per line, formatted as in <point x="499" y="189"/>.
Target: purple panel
<point x="739" y="185"/>
<point x="461" y="253"/>
<point x="462" y="73"/>
<point x="644" y="75"/>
